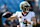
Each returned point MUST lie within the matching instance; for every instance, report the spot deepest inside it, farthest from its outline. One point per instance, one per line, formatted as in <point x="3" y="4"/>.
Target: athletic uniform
<point x="21" y="18"/>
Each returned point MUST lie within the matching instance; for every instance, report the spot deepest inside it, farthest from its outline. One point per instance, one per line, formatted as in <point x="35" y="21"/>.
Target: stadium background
<point x="13" y="6"/>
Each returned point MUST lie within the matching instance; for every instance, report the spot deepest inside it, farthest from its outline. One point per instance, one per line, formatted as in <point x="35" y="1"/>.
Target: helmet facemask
<point x="25" y="9"/>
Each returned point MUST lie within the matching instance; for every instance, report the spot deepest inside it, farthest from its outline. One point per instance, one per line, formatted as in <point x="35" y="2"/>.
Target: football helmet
<point x="23" y="6"/>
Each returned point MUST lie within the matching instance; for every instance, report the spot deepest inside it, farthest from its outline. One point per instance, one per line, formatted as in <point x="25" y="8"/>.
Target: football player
<point x="26" y="18"/>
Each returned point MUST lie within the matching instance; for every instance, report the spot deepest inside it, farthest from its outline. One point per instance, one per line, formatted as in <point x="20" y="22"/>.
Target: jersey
<point x="27" y="17"/>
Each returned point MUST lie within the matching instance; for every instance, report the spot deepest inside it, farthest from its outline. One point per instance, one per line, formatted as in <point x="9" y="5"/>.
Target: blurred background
<point x="13" y="6"/>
